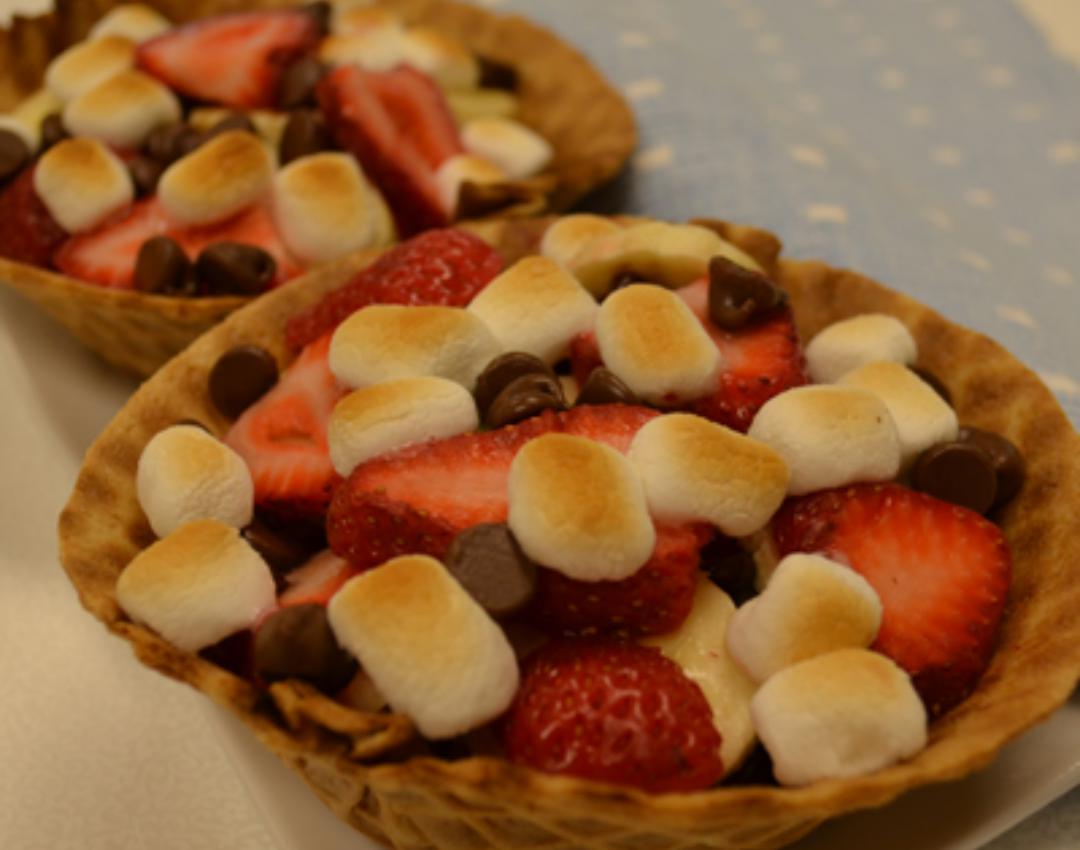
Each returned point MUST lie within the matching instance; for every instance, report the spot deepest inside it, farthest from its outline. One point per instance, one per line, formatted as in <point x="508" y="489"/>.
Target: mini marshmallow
<point x="459" y="169"/>
<point x="922" y="417"/>
<point x="122" y="110"/>
<point x="850" y="343"/>
<point x="568" y="235"/>
<point x="386" y="416"/>
<point x="87" y="64"/>
<point x="672" y="255"/>
<point x="363" y="18"/>
<point x="324" y="208"/>
<point x="373" y="50"/>
<point x="429" y="648"/>
<point x="470" y="104"/>
<point x="829" y="436"/>
<point x="25" y="119"/>
<point x="217" y="179"/>
<point x="444" y="59"/>
<point x="694" y="469"/>
<point x="185" y="474"/>
<point x="81" y="182"/>
<point x="132" y="21"/>
<point x="811" y="606"/>
<point x="578" y="507"/>
<point x="667" y="359"/>
<point x="846" y="713"/>
<point x="518" y="150"/>
<point x="386" y="341"/>
<point x="198" y="585"/>
<point x="535" y="306"/>
<point x="699" y="647"/>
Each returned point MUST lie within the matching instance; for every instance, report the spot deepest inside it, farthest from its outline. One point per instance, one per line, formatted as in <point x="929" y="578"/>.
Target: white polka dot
<point x="1017" y="236"/>
<point x="787" y="72"/>
<point x="918" y="116"/>
<point x="651" y="159"/>
<point x="1016" y="315"/>
<point x="1059" y="276"/>
<point x="938" y="218"/>
<point x="769" y="43"/>
<point x="946" y="19"/>
<point x="999" y="77"/>
<point x="830" y="213"/>
<point x="632" y="38"/>
<point x="971" y="47"/>
<point x="1027" y="112"/>
<point x="872" y="46"/>
<point x="947" y="155"/>
<point x="892" y="79"/>
<point x="1063" y="152"/>
<point x="976" y="261"/>
<point x="808" y="156"/>
<point x="644" y="89"/>
<point x="981" y="198"/>
<point x="808" y="103"/>
<point x="1060" y="383"/>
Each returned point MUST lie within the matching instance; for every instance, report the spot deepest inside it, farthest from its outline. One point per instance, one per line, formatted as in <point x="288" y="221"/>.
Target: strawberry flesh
<point x="29" y="233"/>
<point x="316" y="581"/>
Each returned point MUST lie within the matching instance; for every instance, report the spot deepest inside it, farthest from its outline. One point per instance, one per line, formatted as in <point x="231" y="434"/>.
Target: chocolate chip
<point x="297" y="643"/>
<point x="605" y="387"/>
<point x="162" y="267"/>
<point x="497" y="75"/>
<point x="297" y="86"/>
<point x="52" y="131"/>
<point x="1009" y="466"/>
<point x="305" y="133"/>
<point x="960" y="473"/>
<point x="145" y="172"/>
<point x="233" y="268"/>
<point x="14" y="153"/>
<point x="730" y="567"/>
<point x="321" y="12"/>
<point x="168" y="143"/>
<point x="476" y="200"/>
<point x="281" y="552"/>
<point x="738" y="296"/>
<point x="501" y="371"/>
<point x="525" y="397"/>
<point x="240" y="378"/>
<point x="489" y="564"/>
<point x="934" y="382"/>
<point x="232" y="121"/>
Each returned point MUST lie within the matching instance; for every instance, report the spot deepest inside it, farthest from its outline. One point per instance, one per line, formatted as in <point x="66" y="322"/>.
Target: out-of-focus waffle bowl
<point x="561" y="95"/>
<point x="355" y="762"/>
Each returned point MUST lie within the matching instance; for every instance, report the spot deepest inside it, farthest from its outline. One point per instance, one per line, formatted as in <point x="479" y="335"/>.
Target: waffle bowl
<point x="365" y="767"/>
<point x="561" y="95"/>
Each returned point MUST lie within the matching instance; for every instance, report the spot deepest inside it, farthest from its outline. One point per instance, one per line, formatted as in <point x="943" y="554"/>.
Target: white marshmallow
<point x="666" y="359"/>
<point x="185" y="474"/>
<point x="444" y="59"/>
<point x="386" y="341"/>
<point x="811" y="606"/>
<point x="362" y="18"/>
<point x="829" y="436"/>
<point x="568" y="235"/>
<point x="922" y="417"/>
<point x="460" y="169"/>
<point x="699" y="647"/>
<point x="122" y="110"/>
<point x="25" y="119"/>
<point x="132" y="21"/>
<point x="87" y="64"/>
<point x="217" y="179"/>
<point x="518" y="150"/>
<point x="373" y="50"/>
<point x="470" y="104"/>
<point x="197" y="586"/>
<point x="430" y="649"/>
<point x="843" y="714"/>
<point x="578" y="507"/>
<point x="535" y="306"/>
<point x="850" y="343"/>
<point x="377" y="419"/>
<point x="694" y="469"/>
<point x="81" y="182"/>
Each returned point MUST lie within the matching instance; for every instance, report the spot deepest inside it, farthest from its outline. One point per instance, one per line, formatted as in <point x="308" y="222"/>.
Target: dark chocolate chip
<point x="476" y="200"/>
<point x="168" y="143"/>
<point x="756" y="769"/>
<point x="321" y="12"/>
<point x="523" y="398"/>
<point x="934" y="382"/>
<point x="305" y="133"/>
<point x="241" y="377"/>
<point x="1009" y="466"/>
<point x="52" y="131"/>
<point x="730" y="567"/>
<point x="281" y="552"/>
<point x="233" y="653"/>
<point x="497" y="75"/>
<point x="501" y="371"/>
<point x="489" y="564"/>
<point x="960" y="473"/>
<point x="162" y="267"/>
<point x="605" y="387"/>
<point x="297" y="643"/>
<point x="233" y="268"/>
<point x="145" y="173"/>
<point x="297" y="86"/>
<point x="232" y="121"/>
<point x="14" y="153"/>
<point x="738" y="296"/>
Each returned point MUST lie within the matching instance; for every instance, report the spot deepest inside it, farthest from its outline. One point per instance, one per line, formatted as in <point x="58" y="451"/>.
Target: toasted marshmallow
<point x="568" y="235"/>
<point x="922" y="417"/>
<point x="87" y="64"/>
<point x="672" y="255"/>
<point x="81" y="182"/>
<point x="694" y="469"/>
<point x="25" y="119"/>
<point x="842" y="714"/>
<point x="201" y="583"/>
<point x="829" y="436"/>
<point x="460" y="169"/>
<point x="430" y="649"/>
<point x="386" y="341"/>
<point x="444" y="59"/>
<point x="122" y="110"/>
<point x="132" y="21"/>
<point x="811" y="606"/>
<point x="535" y="306"/>
<point x="699" y="647"/>
<point x="217" y="179"/>
<point x="518" y="150"/>
<point x="650" y="338"/>
<point x="470" y="104"/>
<point x="578" y="507"/>
<point x="184" y="474"/>
<point x="386" y="416"/>
<point x="373" y="50"/>
<point x="362" y="18"/>
<point x="850" y="343"/>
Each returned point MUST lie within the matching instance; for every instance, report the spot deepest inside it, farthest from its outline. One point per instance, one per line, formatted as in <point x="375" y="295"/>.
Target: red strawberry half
<point x="234" y="59"/>
<point x="613" y="712"/>
<point x="440" y="267"/>
<point x="315" y="581"/>
<point x="28" y="234"/>
<point x="942" y="573"/>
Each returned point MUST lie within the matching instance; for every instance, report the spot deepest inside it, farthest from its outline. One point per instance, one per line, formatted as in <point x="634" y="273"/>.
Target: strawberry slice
<point x="316" y="580"/>
<point x="942" y="573"/>
<point x="440" y="267"/>
<point x="282" y="437"/>
<point x="29" y="233"/>
<point x="235" y="59"/>
<point x="398" y="125"/>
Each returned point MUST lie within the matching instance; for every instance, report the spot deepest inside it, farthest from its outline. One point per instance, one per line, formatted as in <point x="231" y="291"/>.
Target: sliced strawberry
<point x="29" y="233"/>
<point x="398" y="125"/>
<point x="235" y="59"/>
<point x="613" y="712"/>
<point x="942" y="573"/>
<point x="282" y="437"/>
<point x="440" y="267"/>
<point x="316" y="581"/>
